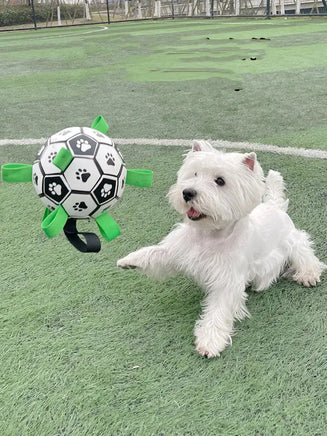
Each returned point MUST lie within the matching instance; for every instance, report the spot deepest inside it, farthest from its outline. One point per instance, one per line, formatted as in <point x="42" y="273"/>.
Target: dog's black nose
<point x="188" y="194"/>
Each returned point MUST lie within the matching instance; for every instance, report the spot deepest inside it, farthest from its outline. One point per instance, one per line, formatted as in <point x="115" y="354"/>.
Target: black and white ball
<point x="92" y="182"/>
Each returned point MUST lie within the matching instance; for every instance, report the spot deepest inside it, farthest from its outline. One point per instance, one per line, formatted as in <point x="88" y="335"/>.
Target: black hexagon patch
<point x="106" y="190"/>
<point x="82" y="145"/>
<point x="55" y="188"/>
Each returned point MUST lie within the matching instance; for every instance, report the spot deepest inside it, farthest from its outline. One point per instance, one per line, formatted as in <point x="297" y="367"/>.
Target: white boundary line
<point x="67" y="35"/>
<point x="290" y="151"/>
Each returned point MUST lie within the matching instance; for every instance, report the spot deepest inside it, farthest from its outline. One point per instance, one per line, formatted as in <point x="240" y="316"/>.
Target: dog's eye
<point x="220" y="181"/>
<point x="195" y="174"/>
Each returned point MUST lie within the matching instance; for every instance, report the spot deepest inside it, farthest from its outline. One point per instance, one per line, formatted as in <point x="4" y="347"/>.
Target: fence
<point x="23" y="14"/>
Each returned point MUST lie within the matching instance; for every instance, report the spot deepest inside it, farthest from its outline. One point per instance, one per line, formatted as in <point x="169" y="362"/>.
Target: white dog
<point x="236" y="233"/>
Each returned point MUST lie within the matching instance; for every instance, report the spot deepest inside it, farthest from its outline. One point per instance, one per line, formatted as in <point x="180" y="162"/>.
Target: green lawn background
<point x="88" y="349"/>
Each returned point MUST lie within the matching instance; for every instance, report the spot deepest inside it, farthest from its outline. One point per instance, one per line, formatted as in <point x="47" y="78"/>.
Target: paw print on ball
<point x="80" y="206"/>
<point x="110" y="159"/>
<point x="82" y="174"/>
<point x="55" y="188"/>
<point x="51" y="156"/>
<point x="82" y="145"/>
<point x="35" y="179"/>
<point x="106" y="190"/>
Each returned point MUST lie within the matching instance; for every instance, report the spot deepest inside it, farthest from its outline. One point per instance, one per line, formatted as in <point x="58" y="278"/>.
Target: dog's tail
<point x="275" y="190"/>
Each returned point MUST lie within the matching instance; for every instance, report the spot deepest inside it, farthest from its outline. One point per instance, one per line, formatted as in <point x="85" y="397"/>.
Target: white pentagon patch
<point x="47" y="156"/>
<point x="100" y="137"/>
<point x="79" y="205"/>
<point x="82" y="174"/>
<point x="64" y="134"/>
<point x="109" y="160"/>
<point x="37" y="177"/>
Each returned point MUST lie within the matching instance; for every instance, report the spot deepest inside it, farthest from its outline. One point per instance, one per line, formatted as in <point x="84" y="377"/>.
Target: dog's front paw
<point x="310" y="276"/>
<point x="124" y="265"/>
<point x="203" y="351"/>
<point x="209" y="342"/>
<point x="308" y="280"/>
<point x="129" y="262"/>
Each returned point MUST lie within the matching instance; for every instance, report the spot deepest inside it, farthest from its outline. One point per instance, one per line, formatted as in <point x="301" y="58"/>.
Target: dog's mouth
<point x="194" y="215"/>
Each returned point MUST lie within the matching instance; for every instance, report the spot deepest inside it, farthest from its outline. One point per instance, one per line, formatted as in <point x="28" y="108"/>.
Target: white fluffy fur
<point x="244" y="237"/>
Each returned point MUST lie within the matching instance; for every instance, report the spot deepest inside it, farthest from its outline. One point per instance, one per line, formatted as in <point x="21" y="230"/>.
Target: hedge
<point x="22" y="14"/>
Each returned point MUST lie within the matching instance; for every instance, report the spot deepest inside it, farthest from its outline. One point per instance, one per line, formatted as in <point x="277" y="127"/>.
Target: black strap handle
<point x="91" y="244"/>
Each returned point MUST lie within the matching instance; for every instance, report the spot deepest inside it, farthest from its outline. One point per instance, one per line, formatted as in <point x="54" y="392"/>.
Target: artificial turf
<point x="170" y="79"/>
<point x="88" y="349"/>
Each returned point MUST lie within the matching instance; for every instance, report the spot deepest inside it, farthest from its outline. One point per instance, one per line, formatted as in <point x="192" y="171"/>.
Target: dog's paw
<point x="125" y="265"/>
<point x="308" y="280"/>
<point x="128" y="262"/>
<point x="209" y="342"/>
<point x="206" y="353"/>
<point x="310" y="276"/>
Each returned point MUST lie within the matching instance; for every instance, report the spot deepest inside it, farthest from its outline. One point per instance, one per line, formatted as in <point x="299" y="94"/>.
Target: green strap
<point x="62" y="159"/>
<point x="16" y="172"/>
<point x="100" y="124"/>
<point x="54" y="222"/>
<point x="46" y="213"/>
<point x="108" y="227"/>
<point x="142" y="178"/>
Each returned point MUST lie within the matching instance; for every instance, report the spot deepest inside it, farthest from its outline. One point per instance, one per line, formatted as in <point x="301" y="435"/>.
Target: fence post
<point x="189" y="10"/>
<point x="298" y="7"/>
<point x="108" y="14"/>
<point x="139" y="10"/>
<point x="172" y="10"/>
<point x="58" y="15"/>
<point x="208" y="12"/>
<point x="282" y="7"/>
<point x="268" y="10"/>
<point x="237" y="7"/>
<point x="212" y="6"/>
<point x="33" y="13"/>
<point x="87" y="11"/>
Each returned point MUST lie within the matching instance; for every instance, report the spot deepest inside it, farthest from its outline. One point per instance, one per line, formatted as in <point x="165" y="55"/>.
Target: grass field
<point x="87" y="349"/>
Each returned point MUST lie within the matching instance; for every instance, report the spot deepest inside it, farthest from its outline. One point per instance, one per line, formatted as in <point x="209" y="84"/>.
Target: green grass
<point x="90" y="349"/>
<point x="87" y="349"/>
<point x="166" y="79"/>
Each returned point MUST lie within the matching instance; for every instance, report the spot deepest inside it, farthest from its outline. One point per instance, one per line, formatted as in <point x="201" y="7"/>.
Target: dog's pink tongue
<point x="193" y="213"/>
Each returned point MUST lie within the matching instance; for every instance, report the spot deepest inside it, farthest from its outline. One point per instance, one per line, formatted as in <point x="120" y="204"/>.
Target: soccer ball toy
<point x="79" y="173"/>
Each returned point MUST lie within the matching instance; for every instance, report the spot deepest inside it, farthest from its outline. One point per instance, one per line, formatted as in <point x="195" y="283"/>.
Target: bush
<point x="15" y="15"/>
<point x="22" y="14"/>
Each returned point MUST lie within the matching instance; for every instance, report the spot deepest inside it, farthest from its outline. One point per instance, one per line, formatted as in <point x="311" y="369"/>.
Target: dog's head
<point x="214" y="188"/>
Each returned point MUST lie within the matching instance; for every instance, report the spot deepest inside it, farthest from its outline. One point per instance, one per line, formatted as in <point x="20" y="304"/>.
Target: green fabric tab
<point x="142" y="178"/>
<point x="54" y="222"/>
<point x="100" y="124"/>
<point x="108" y="227"/>
<point x="16" y="172"/>
<point x="63" y="159"/>
<point x="46" y="213"/>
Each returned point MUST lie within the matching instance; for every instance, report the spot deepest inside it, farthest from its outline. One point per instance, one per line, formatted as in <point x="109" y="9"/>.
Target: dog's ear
<point x="249" y="160"/>
<point x="202" y="146"/>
